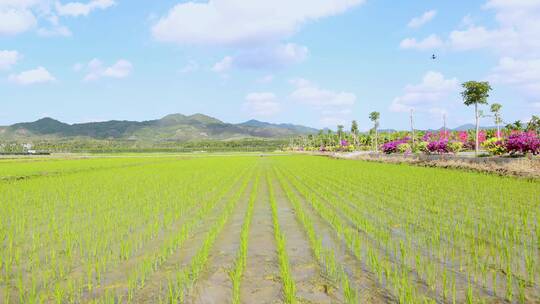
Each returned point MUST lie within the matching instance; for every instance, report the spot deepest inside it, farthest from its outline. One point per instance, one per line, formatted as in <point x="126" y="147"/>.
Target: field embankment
<point x="528" y="167"/>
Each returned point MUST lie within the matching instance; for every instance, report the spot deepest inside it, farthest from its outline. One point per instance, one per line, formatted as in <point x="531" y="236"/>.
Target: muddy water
<point x="261" y="282"/>
<point x="368" y="288"/>
<point x="156" y="287"/>
<point x="311" y="286"/>
<point x="214" y="285"/>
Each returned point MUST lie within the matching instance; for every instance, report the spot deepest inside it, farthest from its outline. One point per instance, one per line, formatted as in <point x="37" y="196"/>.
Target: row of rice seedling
<point x="151" y="261"/>
<point x="376" y="253"/>
<point x="324" y="256"/>
<point x="395" y="210"/>
<point x="288" y="285"/>
<point x="21" y="168"/>
<point x="420" y="243"/>
<point x="241" y="258"/>
<point x="101" y="230"/>
<point x="179" y="285"/>
<point x="474" y="266"/>
<point x="359" y="245"/>
<point x="88" y="223"/>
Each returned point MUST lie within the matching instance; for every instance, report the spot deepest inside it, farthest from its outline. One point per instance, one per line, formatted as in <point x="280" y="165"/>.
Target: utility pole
<point x="412" y="127"/>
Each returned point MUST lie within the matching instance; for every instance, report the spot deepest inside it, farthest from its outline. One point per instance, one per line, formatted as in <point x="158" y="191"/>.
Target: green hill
<point x="173" y="127"/>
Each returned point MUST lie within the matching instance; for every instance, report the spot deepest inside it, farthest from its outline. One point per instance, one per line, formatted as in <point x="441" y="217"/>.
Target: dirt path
<point x="311" y="286"/>
<point x="261" y="277"/>
<point x="214" y="286"/>
<point x="368" y="287"/>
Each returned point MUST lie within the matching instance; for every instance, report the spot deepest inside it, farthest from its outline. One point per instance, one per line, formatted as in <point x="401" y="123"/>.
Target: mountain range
<point x="174" y="127"/>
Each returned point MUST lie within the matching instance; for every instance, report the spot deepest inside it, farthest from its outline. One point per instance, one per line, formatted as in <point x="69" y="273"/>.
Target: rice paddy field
<point x="263" y="229"/>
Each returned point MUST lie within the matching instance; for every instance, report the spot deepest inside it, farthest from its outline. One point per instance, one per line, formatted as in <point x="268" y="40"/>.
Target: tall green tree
<point x="496" y="110"/>
<point x="374" y="117"/>
<point x="476" y="93"/>
<point x="354" y="132"/>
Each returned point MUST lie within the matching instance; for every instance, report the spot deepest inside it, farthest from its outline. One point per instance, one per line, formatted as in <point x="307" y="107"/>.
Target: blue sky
<point x="313" y="62"/>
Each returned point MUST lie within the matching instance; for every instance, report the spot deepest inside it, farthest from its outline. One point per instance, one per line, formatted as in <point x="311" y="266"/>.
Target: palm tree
<point x="496" y="110"/>
<point x="354" y="132"/>
<point x="534" y="124"/>
<point x="476" y="93"/>
<point x="374" y="117"/>
<point x="515" y="126"/>
<point x="340" y="133"/>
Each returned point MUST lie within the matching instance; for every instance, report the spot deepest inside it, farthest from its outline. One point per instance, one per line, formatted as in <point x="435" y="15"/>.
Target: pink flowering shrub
<point x="392" y="146"/>
<point x="522" y="143"/>
<point x="463" y="137"/>
<point x="438" y="147"/>
<point x="482" y="136"/>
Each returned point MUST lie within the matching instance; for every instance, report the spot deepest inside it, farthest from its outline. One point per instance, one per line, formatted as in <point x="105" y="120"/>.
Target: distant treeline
<point x="114" y="146"/>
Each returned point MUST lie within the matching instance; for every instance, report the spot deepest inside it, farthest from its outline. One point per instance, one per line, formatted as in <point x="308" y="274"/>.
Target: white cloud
<point x="223" y="65"/>
<point x="60" y="31"/>
<point x="35" y="76"/>
<point x="332" y="121"/>
<point x="271" y="56"/>
<point x="334" y="107"/>
<point x="310" y="94"/>
<point x="191" y="66"/>
<point x="429" y="43"/>
<point x="515" y="38"/>
<point x="78" y="67"/>
<point x="76" y="9"/>
<point x="476" y="37"/>
<point x="467" y="21"/>
<point x="420" y="21"/>
<point x="517" y="33"/>
<point x="523" y="74"/>
<point x="16" y="20"/>
<point x="266" y="57"/>
<point x="239" y="22"/>
<point x="262" y="104"/>
<point x="334" y="117"/>
<point x="96" y="70"/>
<point x="8" y="59"/>
<point x="18" y="16"/>
<point x="266" y="79"/>
<point x="430" y="95"/>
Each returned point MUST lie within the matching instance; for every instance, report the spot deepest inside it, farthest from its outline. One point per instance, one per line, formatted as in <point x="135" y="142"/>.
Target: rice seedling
<point x="103" y="230"/>
<point x="289" y="289"/>
<point x="241" y="259"/>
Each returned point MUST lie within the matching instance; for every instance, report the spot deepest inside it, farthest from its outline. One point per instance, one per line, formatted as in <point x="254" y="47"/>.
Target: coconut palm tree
<point x="340" y="133"/>
<point x="374" y="117"/>
<point x="354" y="132"/>
<point x="496" y="110"/>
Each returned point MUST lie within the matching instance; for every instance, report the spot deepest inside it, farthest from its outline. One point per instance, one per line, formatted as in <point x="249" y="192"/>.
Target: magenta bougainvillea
<point x="522" y="143"/>
<point x="438" y="146"/>
<point x="392" y="146"/>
